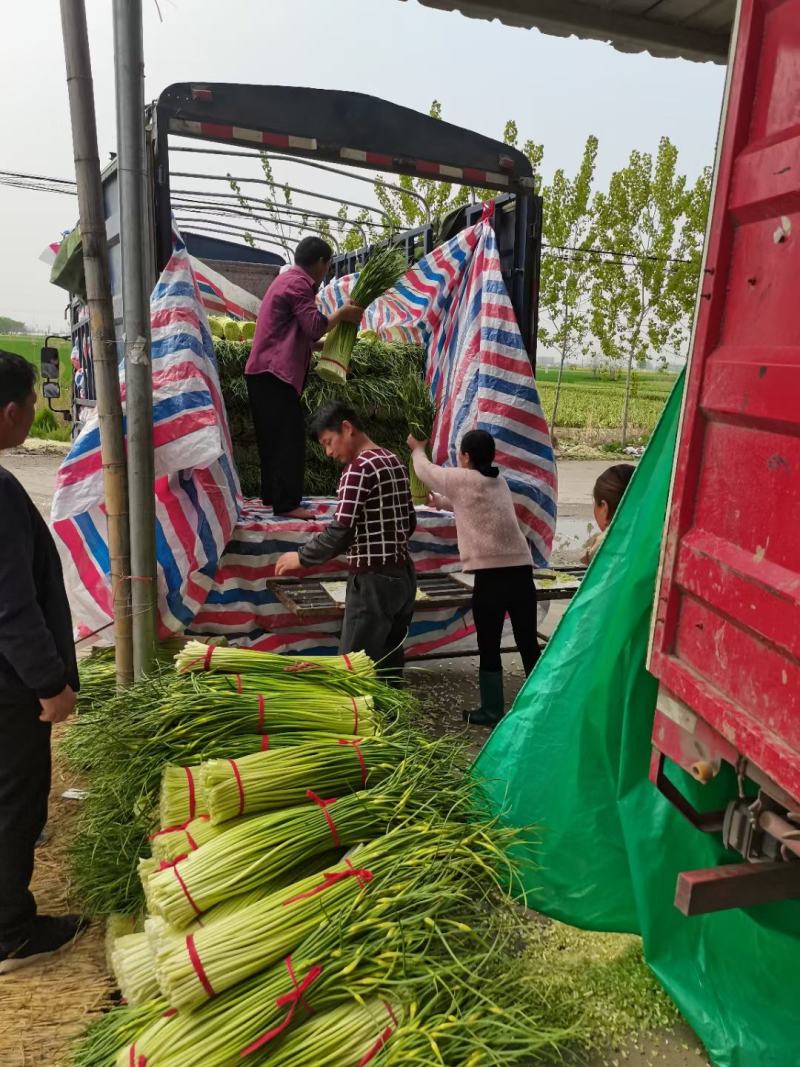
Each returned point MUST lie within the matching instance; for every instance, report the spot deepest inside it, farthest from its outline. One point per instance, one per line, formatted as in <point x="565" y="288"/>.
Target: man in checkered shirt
<point x="373" y="523"/>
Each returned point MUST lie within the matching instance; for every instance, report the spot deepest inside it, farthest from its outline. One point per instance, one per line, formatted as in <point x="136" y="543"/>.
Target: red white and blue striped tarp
<point x="197" y="488"/>
<point x="455" y="303"/>
<point x="215" y="551"/>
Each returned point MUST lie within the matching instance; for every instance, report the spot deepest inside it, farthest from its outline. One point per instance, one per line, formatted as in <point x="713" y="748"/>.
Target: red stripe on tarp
<point x="378" y="159"/>
<point x="167" y="431"/>
<point x="168" y="316"/>
<point x="515" y="414"/>
<point x="239" y="784"/>
<point x="197" y="964"/>
<point x="87" y="567"/>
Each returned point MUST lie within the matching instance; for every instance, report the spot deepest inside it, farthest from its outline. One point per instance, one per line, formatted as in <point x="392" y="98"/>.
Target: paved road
<point x="37" y="472"/>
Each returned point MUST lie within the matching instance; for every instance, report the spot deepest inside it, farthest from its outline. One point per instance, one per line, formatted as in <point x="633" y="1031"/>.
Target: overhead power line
<point x="44" y="184"/>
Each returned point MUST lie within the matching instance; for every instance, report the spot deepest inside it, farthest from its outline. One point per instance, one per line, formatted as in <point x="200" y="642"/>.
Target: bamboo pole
<point x="101" y="322"/>
<point x="133" y="214"/>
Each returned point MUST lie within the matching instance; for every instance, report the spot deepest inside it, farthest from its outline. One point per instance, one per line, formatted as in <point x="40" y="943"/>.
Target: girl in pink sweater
<point x="493" y="547"/>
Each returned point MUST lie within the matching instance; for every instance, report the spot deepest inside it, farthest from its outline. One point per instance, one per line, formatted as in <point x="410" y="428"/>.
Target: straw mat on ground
<point x="43" y="1007"/>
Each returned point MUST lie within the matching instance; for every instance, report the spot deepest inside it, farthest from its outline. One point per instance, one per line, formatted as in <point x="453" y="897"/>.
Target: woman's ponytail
<point x="479" y="446"/>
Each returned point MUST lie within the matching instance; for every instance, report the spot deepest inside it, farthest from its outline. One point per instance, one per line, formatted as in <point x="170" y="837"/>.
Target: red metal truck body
<point x="726" y="636"/>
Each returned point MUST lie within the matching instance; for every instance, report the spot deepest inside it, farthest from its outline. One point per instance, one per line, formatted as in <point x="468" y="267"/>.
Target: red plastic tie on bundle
<point x="346" y="658"/>
<point x="180" y="828"/>
<point x="324" y="805"/>
<point x="356" y="743"/>
<point x="387" y="1033"/>
<point x="239" y="683"/>
<point x="207" y="658"/>
<point x="197" y="964"/>
<point x="192" y="795"/>
<point x="264" y="742"/>
<point x="330" y="878"/>
<point x="301" y="665"/>
<point x="293" y="999"/>
<point x="165" y="865"/>
<point x="239" y="784"/>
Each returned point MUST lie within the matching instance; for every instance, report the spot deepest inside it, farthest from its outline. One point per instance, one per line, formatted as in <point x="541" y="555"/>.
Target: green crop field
<point x="590" y="402"/>
<point x="46" y="425"/>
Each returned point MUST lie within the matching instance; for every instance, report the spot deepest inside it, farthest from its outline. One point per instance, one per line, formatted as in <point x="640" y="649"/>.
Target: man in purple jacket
<point x="288" y="329"/>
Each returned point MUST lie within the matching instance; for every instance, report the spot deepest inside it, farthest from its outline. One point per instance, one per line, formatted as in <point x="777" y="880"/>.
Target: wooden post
<point x="101" y="322"/>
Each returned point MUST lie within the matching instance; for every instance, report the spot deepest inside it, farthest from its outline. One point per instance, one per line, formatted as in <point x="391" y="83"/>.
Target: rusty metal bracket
<point x="710" y="822"/>
<point x="736" y="885"/>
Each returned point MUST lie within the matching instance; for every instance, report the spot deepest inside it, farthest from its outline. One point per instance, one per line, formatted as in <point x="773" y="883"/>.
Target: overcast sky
<point x="559" y="91"/>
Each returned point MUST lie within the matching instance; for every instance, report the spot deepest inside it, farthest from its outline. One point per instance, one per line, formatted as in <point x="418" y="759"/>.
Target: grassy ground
<point x="594" y="404"/>
<point x="47" y="425"/>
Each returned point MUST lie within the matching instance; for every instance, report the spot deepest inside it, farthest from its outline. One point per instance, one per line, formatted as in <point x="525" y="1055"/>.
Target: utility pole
<point x="134" y="216"/>
<point x="101" y="322"/>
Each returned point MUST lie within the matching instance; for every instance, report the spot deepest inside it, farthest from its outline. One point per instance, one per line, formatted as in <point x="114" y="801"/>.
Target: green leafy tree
<point x="565" y="286"/>
<point x="403" y="206"/>
<point x="8" y="325"/>
<point x="643" y="290"/>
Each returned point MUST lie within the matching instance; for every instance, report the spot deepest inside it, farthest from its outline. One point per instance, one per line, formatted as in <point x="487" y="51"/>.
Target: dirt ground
<point x="41" y="1009"/>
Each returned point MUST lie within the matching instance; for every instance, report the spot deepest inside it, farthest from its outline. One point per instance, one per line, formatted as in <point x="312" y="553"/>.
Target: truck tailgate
<point x="726" y="638"/>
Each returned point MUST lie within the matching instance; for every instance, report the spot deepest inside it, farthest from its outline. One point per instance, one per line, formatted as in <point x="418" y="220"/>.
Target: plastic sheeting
<point x="571" y="758"/>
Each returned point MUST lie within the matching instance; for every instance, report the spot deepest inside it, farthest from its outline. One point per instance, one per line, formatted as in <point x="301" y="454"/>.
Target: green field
<point x="46" y="425"/>
<point x="589" y="402"/>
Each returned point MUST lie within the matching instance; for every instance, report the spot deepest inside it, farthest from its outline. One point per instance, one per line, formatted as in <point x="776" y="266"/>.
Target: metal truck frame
<point x="332" y="127"/>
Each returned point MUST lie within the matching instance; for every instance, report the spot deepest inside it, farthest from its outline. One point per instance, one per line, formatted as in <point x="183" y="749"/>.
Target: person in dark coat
<point x="38" y="682"/>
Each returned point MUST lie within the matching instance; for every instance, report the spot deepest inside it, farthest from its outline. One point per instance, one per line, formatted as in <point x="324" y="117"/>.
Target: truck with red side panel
<point x="726" y="630"/>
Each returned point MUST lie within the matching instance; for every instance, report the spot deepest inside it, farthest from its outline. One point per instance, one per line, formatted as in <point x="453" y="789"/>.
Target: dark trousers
<point x="24" y="789"/>
<point x="377" y="614"/>
<point x="281" y="439"/>
<point x="498" y="591"/>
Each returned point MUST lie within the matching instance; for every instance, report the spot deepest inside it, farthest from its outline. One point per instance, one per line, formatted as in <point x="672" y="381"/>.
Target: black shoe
<point x="48" y="936"/>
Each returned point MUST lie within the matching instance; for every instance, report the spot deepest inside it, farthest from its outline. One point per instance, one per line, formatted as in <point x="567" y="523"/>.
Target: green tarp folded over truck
<point x="67" y="270"/>
<point x="571" y="758"/>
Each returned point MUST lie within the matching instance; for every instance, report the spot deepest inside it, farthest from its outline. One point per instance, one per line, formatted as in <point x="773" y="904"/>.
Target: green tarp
<point x="67" y="270"/>
<point x="571" y="758"/>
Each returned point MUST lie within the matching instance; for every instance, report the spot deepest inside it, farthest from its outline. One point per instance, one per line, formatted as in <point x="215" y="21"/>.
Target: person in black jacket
<point x="38" y="682"/>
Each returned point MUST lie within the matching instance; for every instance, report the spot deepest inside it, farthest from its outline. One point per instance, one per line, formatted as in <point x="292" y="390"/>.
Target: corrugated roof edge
<point x="626" y="33"/>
